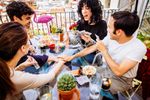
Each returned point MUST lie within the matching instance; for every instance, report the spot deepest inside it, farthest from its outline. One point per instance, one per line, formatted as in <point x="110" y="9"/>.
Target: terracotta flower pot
<point x="69" y="95"/>
<point x="61" y="37"/>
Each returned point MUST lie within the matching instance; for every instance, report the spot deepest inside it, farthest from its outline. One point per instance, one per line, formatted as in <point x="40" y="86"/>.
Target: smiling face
<point x="86" y="12"/>
<point x="25" y="20"/>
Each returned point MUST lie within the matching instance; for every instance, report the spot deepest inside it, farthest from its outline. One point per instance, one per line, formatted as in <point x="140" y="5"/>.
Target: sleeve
<point x="106" y="40"/>
<point x="24" y="80"/>
<point x="23" y="59"/>
<point x="41" y="59"/>
<point x="137" y="54"/>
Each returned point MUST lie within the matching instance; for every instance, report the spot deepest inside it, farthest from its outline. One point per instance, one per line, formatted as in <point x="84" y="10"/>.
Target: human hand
<point x="29" y="62"/>
<point x="86" y="37"/>
<point x="53" y="58"/>
<point x="32" y="49"/>
<point x="61" y="61"/>
<point x="100" y="46"/>
<point x="66" y="58"/>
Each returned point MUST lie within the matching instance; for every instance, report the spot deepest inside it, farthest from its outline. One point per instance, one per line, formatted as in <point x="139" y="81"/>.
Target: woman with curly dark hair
<point x="90" y="12"/>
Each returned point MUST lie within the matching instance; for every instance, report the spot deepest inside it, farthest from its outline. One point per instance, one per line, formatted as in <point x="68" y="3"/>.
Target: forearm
<point x="85" y="51"/>
<point x="56" y="70"/>
<point x="112" y="64"/>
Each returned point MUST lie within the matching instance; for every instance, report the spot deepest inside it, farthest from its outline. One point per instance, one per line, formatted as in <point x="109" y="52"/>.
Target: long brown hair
<point x="12" y="37"/>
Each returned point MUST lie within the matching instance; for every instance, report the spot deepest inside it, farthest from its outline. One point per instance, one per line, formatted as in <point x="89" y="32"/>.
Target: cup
<point x="45" y="92"/>
<point x="52" y="46"/>
<point x="94" y="86"/>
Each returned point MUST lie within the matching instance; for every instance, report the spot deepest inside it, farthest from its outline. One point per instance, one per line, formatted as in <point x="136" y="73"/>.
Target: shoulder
<point x="140" y="45"/>
<point x="102" y="22"/>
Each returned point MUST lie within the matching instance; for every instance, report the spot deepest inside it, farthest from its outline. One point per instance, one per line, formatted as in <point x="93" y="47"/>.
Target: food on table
<point x="89" y="70"/>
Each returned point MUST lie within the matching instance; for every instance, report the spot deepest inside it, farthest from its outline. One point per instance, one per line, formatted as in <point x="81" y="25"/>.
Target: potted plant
<point x="66" y="86"/>
<point x="61" y="34"/>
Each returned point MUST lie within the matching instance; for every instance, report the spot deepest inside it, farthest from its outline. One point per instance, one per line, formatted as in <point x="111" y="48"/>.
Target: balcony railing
<point x="61" y="19"/>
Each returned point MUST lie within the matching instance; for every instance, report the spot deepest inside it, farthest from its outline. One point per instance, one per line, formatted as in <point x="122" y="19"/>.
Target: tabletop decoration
<point x="60" y="34"/>
<point x="73" y="26"/>
<point x="66" y="86"/>
<point x="44" y="41"/>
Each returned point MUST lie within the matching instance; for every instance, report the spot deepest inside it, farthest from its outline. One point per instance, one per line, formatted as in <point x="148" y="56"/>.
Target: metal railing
<point x="61" y="20"/>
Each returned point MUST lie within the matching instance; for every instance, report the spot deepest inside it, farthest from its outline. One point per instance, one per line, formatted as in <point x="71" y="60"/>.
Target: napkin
<point x="82" y="80"/>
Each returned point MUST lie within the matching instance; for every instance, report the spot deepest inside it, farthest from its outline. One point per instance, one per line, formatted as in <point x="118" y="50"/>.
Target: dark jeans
<point x="42" y="69"/>
<point x="31" y="69"/>
<point x="82" y="61"/>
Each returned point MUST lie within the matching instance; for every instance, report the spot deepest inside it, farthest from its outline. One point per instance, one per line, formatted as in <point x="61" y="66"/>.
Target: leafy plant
<point x="66" y="82"/>
<point x="73" y="26"/>
<point x="59" y="30"/>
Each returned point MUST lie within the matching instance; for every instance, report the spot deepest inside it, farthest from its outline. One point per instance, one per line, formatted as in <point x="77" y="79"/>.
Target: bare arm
<point x="85" y="51"/>
<point x="79" y="54"/>
<point x="117" y="69"/>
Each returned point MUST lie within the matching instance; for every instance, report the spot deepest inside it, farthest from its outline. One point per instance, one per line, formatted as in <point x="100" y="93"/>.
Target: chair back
<point x="135" y="86"/>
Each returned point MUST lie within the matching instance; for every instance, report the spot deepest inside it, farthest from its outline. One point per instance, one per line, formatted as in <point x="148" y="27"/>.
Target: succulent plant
<point x="66" y="82"/>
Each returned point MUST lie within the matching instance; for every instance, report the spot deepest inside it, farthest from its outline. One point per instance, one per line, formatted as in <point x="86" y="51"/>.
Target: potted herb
<point x="61" y="34"/>
<point x="66" y="86"/>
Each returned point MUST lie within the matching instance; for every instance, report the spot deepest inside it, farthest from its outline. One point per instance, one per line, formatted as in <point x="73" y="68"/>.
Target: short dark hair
<point x="10" y="43"/>
<point x="18" y="9"/>
<point x="127" y="21"/>
<point x="95" y="6"/>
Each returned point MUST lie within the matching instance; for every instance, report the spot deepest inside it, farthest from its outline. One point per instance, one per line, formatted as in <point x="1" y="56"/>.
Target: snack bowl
<point x="89" y="70"/>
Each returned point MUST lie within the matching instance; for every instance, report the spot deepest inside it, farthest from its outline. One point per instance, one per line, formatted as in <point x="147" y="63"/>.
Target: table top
<point x="84" y="89"/>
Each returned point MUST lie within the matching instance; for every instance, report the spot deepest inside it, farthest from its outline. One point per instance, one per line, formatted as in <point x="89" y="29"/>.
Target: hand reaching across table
<point x="66" y="58"/>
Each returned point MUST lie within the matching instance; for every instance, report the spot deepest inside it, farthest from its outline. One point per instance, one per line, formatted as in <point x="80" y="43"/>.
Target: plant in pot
<point x="66" y="86"/>
<point x="61" y="34"/>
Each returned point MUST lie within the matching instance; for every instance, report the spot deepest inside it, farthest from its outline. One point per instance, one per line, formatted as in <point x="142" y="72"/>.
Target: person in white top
<point x="13" y="45"/>
<point x="120" y="49"/>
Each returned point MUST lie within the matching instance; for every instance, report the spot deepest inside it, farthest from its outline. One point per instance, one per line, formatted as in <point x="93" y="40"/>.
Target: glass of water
<point x="45" y="92"/>
<point x="94" y="86"/>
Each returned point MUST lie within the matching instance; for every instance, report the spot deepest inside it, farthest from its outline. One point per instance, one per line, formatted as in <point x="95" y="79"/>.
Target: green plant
<point x="66" y="82"/>
<point x="59" y="30"/>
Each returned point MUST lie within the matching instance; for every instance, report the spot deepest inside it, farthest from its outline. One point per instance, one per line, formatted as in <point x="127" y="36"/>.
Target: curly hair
<point x="18" y="9"/>
<point x="95" y="6"/>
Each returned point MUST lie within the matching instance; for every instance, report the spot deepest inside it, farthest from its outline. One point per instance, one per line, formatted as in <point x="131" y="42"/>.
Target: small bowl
<point x="89" y="70"/>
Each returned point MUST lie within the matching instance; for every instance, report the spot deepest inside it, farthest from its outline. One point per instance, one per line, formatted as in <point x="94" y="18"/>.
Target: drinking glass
<point x="45" y="92"/>
<point x="95" y="85"/>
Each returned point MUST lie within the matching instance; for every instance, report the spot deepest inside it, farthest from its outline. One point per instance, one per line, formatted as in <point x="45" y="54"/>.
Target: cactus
<point x="66" y="82"/>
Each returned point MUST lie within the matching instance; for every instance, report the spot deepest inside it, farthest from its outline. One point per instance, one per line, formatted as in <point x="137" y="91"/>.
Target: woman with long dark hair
<point x="13" y="45"/>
